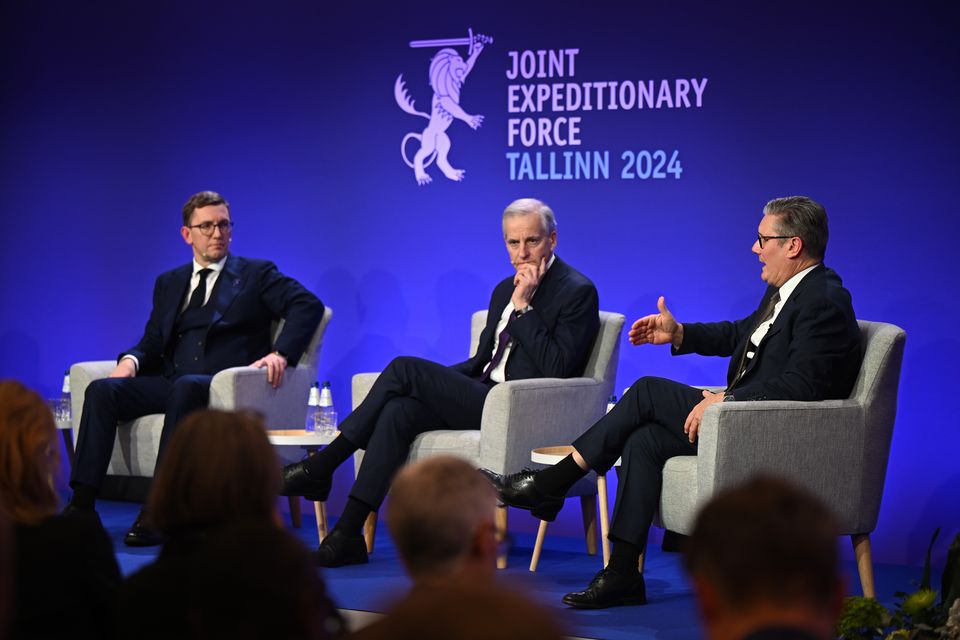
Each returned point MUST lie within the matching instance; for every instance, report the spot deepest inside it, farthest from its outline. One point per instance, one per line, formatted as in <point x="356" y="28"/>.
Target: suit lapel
<point x="228" y="286"/>
<point x="176" y="292"/>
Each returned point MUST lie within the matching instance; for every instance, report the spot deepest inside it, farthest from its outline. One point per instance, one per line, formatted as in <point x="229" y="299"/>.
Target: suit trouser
<point x="111" y="400"/>
<point x="646" y="429"/>
<point x="410" y="397"/>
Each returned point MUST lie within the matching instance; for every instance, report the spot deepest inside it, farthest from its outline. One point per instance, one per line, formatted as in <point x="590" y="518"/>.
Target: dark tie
<point x="502" y="341"/>
<point x="196" y="300"/>
<point x="767" y="314"/>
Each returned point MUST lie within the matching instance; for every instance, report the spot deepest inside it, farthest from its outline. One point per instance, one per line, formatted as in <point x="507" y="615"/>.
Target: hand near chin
<point x="526" y="281"/>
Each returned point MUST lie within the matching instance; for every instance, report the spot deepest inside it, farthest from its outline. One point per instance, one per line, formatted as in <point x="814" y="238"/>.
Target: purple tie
<point x="502" y="342"/>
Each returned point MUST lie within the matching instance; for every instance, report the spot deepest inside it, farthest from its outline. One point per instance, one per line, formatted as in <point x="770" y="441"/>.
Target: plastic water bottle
<point x="64" y="414"/>
<point x="313" y="408"/>
<point x="611" y="403"/>
<point x="328" y="415"/>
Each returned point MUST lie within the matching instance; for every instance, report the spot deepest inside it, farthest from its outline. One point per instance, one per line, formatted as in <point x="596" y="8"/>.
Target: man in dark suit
<point x="207" y="316"/>
<point x="541" y="323"/>
<point x="802" y="343"/>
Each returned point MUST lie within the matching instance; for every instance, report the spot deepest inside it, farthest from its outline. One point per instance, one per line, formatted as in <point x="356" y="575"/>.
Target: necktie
<point x="200" y="293"/>
<point x="767" y="314"/>
<point x="502" y="341"/>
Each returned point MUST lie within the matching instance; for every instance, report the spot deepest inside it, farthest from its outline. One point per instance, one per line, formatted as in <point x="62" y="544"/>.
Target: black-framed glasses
<point x="762" y="238"/>
<point x="206" y="228"/>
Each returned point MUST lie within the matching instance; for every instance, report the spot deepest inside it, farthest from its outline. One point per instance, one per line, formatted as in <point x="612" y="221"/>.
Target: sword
<point x="470" y="40"/>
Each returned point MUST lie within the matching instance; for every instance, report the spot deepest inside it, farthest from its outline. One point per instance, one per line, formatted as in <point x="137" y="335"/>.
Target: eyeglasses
<point x="762" y="238"/>
<point x="206" y="228"/>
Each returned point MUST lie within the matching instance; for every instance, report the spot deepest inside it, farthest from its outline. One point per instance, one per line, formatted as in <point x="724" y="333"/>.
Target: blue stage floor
<point x="564" y="567"/>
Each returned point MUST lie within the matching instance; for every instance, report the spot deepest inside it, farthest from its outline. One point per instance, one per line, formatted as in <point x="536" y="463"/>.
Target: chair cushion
<point x="463" y="444"/>
<point x="678" y="500"/>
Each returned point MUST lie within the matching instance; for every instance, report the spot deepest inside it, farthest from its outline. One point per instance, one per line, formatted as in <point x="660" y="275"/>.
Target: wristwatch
<point x="526" y="309"/>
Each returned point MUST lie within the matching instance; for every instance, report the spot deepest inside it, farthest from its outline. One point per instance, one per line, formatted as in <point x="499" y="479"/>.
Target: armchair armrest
<point x="247" y="388"/>
<point x="81" y="375"/>
<point x="524" y="414"/>
<point x="818" y="445"/>
<point x="360" y="387"/>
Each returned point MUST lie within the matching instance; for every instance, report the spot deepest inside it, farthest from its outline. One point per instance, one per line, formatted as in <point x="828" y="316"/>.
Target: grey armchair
<point x="838" y="449"/>
<point x="521" y="415"/>
<point x="135" y="450"/>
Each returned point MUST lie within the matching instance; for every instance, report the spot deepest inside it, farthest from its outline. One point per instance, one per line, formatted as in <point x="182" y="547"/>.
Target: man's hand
<point x="658" y="328"/>
<point x="692" y="426"/>
<point x="124" y="369"/>
<point x="275" y="364"/>
<point x="525" y="283"/>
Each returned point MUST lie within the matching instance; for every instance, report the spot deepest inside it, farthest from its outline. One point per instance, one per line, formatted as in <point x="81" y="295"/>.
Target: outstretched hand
<point x="657" y="328"/>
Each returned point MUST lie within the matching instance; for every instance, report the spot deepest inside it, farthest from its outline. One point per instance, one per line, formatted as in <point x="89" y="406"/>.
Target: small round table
<point x="310" y="441"/>
<point x="553" y="455"/>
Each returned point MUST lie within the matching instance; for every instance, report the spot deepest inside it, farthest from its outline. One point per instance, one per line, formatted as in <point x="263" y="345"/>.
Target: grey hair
<point x="529" y="206"/>
<point x="802" y="217"/>
<point x="436" y="506"/>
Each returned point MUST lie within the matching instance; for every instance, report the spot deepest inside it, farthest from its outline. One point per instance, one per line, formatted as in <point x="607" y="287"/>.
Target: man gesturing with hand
<point x="802" y="343"/>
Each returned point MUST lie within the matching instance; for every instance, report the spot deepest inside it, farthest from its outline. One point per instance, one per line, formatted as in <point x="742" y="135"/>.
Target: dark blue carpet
<point x="564" y="567"/>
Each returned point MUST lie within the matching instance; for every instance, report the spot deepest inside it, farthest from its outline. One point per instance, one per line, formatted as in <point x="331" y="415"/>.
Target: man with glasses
<point x="802" y="343"/>
<point x="541" y="323"/>
<point x="207" y="316"/>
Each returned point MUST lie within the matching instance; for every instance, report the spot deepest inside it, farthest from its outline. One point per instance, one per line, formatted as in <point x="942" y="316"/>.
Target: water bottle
<point x="313" y="408"/>
<point x="63" y="416"/>
<point x="611" y="403"/>
<point x="328" y="415"/>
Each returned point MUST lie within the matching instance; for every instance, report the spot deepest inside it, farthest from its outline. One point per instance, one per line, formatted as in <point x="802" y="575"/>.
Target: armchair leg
<point x="370" y="530"/>
<point x="604" y="517"/>
<point x="295" y="514"/>
<point x="320" y="511"/>
<point x="500" y="521"/>
<point x="538" y="546"/>
<point x="588" y="505"/>
<point x="861" y="549"/>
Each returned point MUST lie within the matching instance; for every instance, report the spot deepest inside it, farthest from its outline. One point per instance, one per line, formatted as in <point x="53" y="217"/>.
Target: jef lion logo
<point x="448" y="71"/>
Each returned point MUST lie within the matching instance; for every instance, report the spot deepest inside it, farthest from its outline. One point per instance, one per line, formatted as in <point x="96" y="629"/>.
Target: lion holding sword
<point x="448" y="71"/>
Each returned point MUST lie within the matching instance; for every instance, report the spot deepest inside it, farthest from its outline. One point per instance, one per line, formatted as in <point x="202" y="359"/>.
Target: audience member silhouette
<point x="763" y="559"/>
<point x="441" y="517"/>
<point x="227" y="569"/>
<point x="64" y="571"/>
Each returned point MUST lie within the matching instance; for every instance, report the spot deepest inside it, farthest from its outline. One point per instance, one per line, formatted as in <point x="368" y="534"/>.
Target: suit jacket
<point x="248" y="296"/>
<point x="811" y="352"/>
<point x="553" y="340"/>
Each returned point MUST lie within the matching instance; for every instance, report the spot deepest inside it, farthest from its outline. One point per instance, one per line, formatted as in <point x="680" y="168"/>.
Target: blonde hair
<point x="219" y="468"/>
<point x="28" y="454"/>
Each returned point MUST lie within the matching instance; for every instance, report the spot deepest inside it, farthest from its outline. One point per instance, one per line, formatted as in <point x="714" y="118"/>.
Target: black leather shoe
<point x="339" y="549"/>
<point x="609" y="589"/>
<point x="142" y="533"/>
<point x="297" y="481"/>
<point x="519" y="490"/>
<point x="72" y="511"/>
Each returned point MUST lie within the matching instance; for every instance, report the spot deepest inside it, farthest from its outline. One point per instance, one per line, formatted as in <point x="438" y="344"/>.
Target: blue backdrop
<point x="114" y="113"/>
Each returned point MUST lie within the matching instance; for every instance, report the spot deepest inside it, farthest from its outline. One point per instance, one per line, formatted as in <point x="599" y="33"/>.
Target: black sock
<point x="557" y="480"/>
<point x="84" y="496"/>
<point x="326" y="461"/>
<point x="624" y="558"/>
<point x="354" y="515"/>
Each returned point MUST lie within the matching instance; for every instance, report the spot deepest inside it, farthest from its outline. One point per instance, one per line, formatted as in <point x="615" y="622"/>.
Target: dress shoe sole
<point x="619" y="602"/>
<point x="538" y="512"/>
<point x="132" y="540"/>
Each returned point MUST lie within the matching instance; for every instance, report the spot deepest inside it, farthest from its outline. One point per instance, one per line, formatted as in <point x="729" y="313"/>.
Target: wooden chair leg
<point x="370" y="530"/>
<point x="295" y="514"/>
<point x="604" y="517"/>
<point x="861" y="549"/>
<point x="500" y="520"/>
<point x="320" y="511"/>
<point x="538" y="546"/>
<point x="588" y="505"/>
